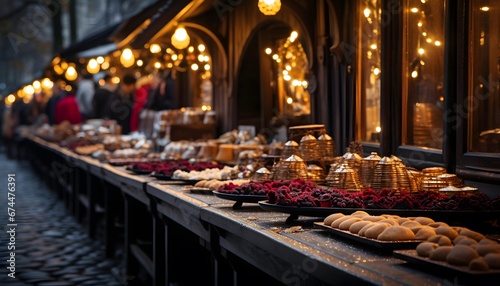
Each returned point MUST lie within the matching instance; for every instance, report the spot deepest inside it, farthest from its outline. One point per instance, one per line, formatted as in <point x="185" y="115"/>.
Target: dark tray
<point x="445" y="215"/>
<point x="412" y="257"/>
<point x="198" y="190"/>
<point x="162" y="176"/>
<point x="385" y="245"/>
<point x="138" y="171"/>
<point x="240" y="198"/>
<point x="186" y="181"/>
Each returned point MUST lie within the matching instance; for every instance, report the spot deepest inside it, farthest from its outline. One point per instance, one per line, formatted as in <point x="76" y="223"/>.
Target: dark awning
<point x="99" y="38"/>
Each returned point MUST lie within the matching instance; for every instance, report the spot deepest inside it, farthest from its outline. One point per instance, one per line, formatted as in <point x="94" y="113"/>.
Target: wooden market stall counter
<point x="169" y="231"/>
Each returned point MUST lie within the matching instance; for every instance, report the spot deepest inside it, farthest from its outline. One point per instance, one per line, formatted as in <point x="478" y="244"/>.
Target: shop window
<point x="369" y="71"/>
<point x="424" y="73"/>
<point x="484" y="102"/>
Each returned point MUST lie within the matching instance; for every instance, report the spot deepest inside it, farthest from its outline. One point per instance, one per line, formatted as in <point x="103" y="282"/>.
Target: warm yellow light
<point x="174" y="57"/>
<point x="180" y="56"/>
<point x="71" y="73"/>
<point x="140" y="63"/>
<point x="422" y="62"/>
<point x="112" y="70"/>
<point x="437" y="43"/>
<point x="100" y="60"/>
<point x="441" y="98"/>
<point x="269" y="51"/>
<point x="68" y="88"/>
<point x="127" y="58"/>
<point x="58" y="69"/>
<point x="195" y="67"/>
<point x="289" y="100"/>
<point x="64" y="65"/>
<point x="269" y="7"/>
<point x="169" y="51"/>
<point x="367" y="12"/>
<point x="376" y="71"/>
<point x="206" y="58"/>
<point x="275" y="56"/>
<point x="47" y="83"/>
<point x="428" y="40"/>
<point x="36" y="84"/>
<point x="170" y="65"/>
<point x="11" y="98"/>
<point x="201" y="58"/>
<point x="305" y="83"/>
<point x="102" y="82"/>
<point x="28" y="90"/>
<point x="293" y="36"/>
<point x="424" y="34"/>
<point x="373" y="46"/>
<point x="56" y="60"/>
<point x="180" y="38"/>
<point x="157" y="65"/>
<point x="191" y="49"/>
<point x="115" y="80"/>
<point x="414" y="74"/>
<point x="414" y="10"/>
<point x="278" y="60"/>
<point x="201" y="48"/>
<point x="207" y="67"/>
<point x="204" y="107"/>
<point x="421" y="51"/>
<point x="287" y="77"/>
<point x="485" y="8"/>
<point x="93" y="66"/>
<point x="419" y="24"/>
<point x="285" y="72"/>
<point x="378" y="129"/>
<point x="296" y="82"/>
<point x="423" y="1"/>
<point x="105" y="66"/>
<point x="155" y="48"/>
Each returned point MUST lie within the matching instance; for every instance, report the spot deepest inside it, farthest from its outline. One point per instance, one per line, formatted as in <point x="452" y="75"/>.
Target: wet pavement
<point x="51" y="247"/>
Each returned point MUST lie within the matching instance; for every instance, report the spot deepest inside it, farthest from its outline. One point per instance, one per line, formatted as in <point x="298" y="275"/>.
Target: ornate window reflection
<point x="424" y="72"/>
<point x="369" y="71"/>
<point x="484" y="101"/>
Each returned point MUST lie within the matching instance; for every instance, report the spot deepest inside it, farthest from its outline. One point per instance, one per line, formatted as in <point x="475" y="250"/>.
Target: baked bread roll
<point x="424" y="220"/>
<point x="472" y="234"/>
<point x="331" y="218"/>
<point x="447" y="231"/>
<point x="363" y="230"/>
<point x="437" y="224"/>
<point x="201" y="184"/>
<point x="411" y="223"/>
<point x="487" y="241"/>
<point x="396" y="233"/>
<point x="390" y="221"/>
<point x="400" y="220"/>
<point x="440" y="253"/>
<point x="425" y="232"/>
<point x="479" y="264"/>
<point x="458" y="238"/>
<point x="484" y="249"/>
<point x="493" y="260"/>
<point x="466" y="241"/>
<point x="376" y="230"/>
<point x="359" y="214"/>
<point x="345" y="225"/>
<point x="373" y="218"/>
<point x="461" y="255"/>
<point x="424" y="249"/>
<point x="357" y="226"/>
<point x="340" y="220"/>
<point x="440" y="239"/>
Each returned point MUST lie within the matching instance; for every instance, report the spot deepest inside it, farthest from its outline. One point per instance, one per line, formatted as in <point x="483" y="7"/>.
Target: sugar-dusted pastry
<point x="396" y="233"/>
<point x="440" y="253"/>
<point x="461" y="255"/>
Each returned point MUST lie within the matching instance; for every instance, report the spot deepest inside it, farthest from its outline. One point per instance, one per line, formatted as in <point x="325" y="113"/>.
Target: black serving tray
<point x="240" y="198"/>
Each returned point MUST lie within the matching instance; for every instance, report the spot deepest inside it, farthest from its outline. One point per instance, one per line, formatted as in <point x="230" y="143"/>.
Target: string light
<point x="485" y="9"/>
<point x="367" y="12"/>
<point x="414" y="10"/>
<point x="269" y="51"/>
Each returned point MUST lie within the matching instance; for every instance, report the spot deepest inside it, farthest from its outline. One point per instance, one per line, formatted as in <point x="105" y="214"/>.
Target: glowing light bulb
<point x="484" y="9"/>
<point x="275" y="56"/>
<point x="11" y="98"/>
<point x="376" y="71"/>
<point x="201" y="48"/>
<point x="127" y="58"/>
<point x="437" y="43"/>
<point x="419" y="24"/>
<point x="194" y="67"/>
<point x="36" y="84"/>
<point x="140" y="63"/>
<point x="414" y="10"/>
<point x="157" y="65"/>
<point x="269" y="51"/>
<point x="93" y="66"/>
<point x="287" y="77"/>
<point x="155" y="48"/>
<point x="100" y="60"/>
<point x="378" y="129"/>
<point x="207" y="67"/>
<point x="180" y="38"/>
<point x="293" y="36"/>
<point x="367" y="12"/>
<point x="414" y="74"/>
<point x="191" y="49"/>
<point x="373" y="46"/>
<point x="421" y="51"/>
<point x="71" y="74"/>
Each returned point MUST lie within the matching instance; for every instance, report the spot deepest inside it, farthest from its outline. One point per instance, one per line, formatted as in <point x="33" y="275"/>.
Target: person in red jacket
<point x="67" y="109"/>
<point x="141" y="96"/>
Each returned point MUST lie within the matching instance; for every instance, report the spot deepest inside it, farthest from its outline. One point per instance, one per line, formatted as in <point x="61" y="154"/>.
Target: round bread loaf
<point x="329" y="219"/>
<point x="440" y="253"/>
<point x="346" y="224"/>
<point x="357" y="226"/>
<point x="479" y="264"/>
<point x="493" y="260"/>
<point x="396" y="233"/>
<point x="376" y="230"/>
<point x="461" y="255"/>
<point x="447" y="231"/>
<point x="424" y="249"/>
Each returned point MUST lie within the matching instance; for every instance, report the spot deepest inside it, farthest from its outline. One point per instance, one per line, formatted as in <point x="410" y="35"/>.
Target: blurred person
<point x="163" y="96"/>
<point x="101" y="97"/>
<point x="121" y="102"/>
<point x="67" y="109"/>
<point x="84" y="95"/>
<point x="30" y="111"/>
<point x="57" y="93"/>
<point x="143" y="85"/>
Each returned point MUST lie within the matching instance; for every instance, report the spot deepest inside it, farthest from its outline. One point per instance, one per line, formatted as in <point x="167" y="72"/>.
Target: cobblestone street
<point x="51" y="247"/>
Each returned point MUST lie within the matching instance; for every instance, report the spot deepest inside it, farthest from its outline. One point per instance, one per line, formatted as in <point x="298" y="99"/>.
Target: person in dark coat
<point x="163" y="97"/>
<point x="122" y="101"/>
<point x="101" y="98"/>
<point x="50" y="107"/>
